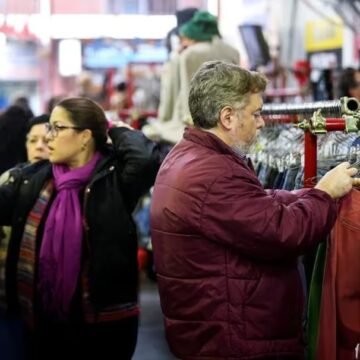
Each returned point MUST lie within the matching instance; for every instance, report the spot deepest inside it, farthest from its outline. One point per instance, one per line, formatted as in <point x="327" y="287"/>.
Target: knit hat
<point x="202" y="27"/>
<point x="182" y="17"/>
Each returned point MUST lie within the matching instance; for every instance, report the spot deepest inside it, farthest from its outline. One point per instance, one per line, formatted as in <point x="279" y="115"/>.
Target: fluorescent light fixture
<point x="113" y="26"/>
<point x="64" y="26"/>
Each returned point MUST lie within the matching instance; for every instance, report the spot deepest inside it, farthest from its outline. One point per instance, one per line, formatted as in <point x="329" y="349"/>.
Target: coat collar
<point x="209" y="140"/>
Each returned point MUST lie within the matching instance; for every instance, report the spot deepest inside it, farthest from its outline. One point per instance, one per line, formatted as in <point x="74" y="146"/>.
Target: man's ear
<point x="226" y="117"/>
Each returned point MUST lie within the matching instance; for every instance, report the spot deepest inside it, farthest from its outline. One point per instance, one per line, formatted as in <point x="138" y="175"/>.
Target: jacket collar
<point x="210" y="141"/>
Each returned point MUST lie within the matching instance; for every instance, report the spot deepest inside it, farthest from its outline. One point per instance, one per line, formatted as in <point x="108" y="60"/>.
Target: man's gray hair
<point x="217" y="84"/>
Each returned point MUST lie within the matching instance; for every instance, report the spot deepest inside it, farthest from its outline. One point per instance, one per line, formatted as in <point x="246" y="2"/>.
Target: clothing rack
<point x="343" y="115"/>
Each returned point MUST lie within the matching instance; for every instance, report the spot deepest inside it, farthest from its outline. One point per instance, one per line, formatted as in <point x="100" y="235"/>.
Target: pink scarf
<point x="61" y="248"/>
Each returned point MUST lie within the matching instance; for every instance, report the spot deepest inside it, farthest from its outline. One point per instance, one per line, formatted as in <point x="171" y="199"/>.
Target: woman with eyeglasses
<point x="72" y="262"/>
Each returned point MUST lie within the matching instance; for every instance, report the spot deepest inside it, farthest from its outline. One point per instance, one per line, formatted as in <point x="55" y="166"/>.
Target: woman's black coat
<point x="126" y="172"/>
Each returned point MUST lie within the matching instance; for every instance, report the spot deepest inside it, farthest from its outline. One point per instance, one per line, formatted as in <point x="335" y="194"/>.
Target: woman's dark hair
<point x="87" y="114"/>
<point x="37" y="120"/>
<point x="13" y="129"/>
<point x="23" y="102"/>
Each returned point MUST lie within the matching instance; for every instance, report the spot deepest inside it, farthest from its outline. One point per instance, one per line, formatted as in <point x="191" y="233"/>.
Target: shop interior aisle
<point x="151" y="343"/>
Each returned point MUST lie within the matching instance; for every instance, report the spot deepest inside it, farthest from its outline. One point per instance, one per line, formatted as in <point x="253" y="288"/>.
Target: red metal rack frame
<point x="310" y="142"/>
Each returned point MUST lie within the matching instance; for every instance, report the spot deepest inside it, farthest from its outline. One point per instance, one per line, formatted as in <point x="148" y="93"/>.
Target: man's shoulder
<point x="194" y="50"/>
<point x="194" y="158"/>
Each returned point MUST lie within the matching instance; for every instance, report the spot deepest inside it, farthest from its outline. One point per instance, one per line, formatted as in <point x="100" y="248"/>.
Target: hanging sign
<point x="324" y="34"/>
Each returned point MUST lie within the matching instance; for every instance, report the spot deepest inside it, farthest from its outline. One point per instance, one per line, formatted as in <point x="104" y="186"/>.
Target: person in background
<point x="36" y="147"/>
<point x="36" y="144"/>
<point x="23" y="102"/>
<point x="172" y="40"/>
<point x="118" y="102"/>
<point x="36" y="150"/>
<point x="72" y="258"/>
<point x="13" y="126"/>
<point x="226" y="251"/>
<point x="349" y="83"/>
<point x="52" y="102"/>
<point x="88" y="87"/>
<point x="170" y="81"/>
<point x="200" y="41"/>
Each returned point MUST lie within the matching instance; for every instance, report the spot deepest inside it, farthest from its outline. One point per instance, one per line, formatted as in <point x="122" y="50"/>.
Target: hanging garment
<point x="314" y="301"/>
<point x="339" y="327"/>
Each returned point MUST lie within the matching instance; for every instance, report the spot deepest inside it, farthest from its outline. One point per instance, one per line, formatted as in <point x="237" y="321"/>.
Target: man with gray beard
<point x="225" y="249"/>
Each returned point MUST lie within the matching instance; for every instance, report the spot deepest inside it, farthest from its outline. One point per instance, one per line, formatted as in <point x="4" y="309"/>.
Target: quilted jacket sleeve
<point x="240" y="213"/>
<point x="139" y="161"/>
<point x="286" y="197"/>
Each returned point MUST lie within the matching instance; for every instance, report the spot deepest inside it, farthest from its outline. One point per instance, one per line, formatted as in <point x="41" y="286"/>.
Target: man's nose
<point x="260" y="122"/>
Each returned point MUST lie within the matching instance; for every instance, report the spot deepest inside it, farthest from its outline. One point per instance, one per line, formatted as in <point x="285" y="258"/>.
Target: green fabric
<point x="202" y="27"/>
<point x="315" y="300"/>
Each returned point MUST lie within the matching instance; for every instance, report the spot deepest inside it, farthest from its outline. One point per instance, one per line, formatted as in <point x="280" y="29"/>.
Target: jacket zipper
<point x="85" y="202"/>
<point x="86" y="224"/>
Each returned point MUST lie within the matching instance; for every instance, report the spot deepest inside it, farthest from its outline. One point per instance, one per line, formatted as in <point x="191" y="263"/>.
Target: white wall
<point x="293" y="49"/>
<point x="234" y="13"/>
<point x="275" y="17"/>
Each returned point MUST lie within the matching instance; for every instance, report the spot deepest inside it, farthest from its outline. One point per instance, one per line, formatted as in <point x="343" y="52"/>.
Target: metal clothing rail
<point x="347" y="119"/>
<point x="332" y="107"/>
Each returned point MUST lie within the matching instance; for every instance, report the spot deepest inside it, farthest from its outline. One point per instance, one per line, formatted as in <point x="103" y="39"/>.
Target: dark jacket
<point x="226" y="253"/>
<point x="125" y="173"/>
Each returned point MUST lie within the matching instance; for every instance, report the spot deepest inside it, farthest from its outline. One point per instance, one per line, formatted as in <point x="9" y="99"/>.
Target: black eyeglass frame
<point x="54" y="130"/>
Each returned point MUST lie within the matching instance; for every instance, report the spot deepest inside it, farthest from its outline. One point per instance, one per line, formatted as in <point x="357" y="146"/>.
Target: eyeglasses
<point x="54" y="130"/>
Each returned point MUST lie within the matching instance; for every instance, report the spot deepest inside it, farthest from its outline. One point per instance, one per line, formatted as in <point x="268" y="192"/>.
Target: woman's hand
<point x="120" y="123"/>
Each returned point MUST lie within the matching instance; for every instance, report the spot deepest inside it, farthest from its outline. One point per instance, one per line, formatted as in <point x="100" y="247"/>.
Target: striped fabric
<point x="110" y="313"/>
<point x="27" y="256"/>
<point x="26" y="272"/>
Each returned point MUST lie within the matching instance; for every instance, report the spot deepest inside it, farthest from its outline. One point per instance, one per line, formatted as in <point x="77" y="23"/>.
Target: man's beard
<point x="242" y="149"/>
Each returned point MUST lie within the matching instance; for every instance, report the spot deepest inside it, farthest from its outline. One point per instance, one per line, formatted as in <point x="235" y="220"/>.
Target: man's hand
<point x="339" y="181"/>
